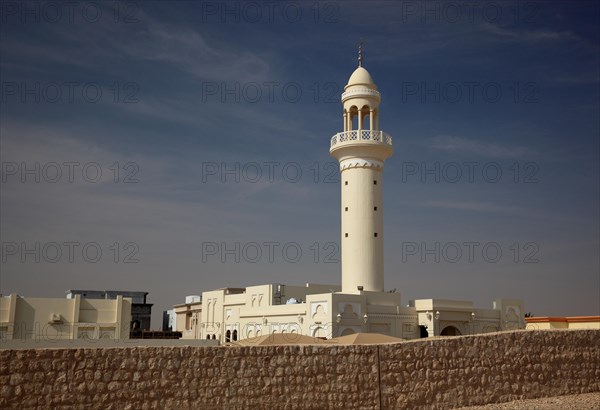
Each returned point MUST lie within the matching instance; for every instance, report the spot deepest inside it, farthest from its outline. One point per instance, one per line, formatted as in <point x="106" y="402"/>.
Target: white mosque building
<point x="360" y="304"/>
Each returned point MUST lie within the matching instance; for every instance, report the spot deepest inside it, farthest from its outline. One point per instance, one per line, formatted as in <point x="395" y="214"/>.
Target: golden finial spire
<point x="360" y="58"/>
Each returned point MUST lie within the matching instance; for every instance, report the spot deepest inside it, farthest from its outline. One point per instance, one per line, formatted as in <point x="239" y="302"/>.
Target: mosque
<point x="360" y="304"/>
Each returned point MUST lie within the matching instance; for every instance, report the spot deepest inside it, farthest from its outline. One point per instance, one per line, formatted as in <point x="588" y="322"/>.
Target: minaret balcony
<point x="360" y="137"/>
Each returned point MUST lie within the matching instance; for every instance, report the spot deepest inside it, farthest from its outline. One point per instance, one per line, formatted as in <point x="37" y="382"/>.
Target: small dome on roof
<point x="360" y="76"/>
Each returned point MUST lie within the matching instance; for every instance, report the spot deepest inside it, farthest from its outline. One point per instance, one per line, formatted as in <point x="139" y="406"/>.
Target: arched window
<point x="450" y="331"/>
<point x="349" y="312"/>
<point x="348" y="331"/>
<point x="235" y="335"/>
<point x="319" y="311"/>
<point x="213" y="311"/>
<point x="207" y="337"/>
<point x="228" y="336"/>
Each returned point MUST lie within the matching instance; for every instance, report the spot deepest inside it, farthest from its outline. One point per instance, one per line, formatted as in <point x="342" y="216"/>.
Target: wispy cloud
<point x="583" y="78"/>
<point x="465" y="145"/>
<point x="529" y="36"/>
<point x="169" y="195"/>
<point x="473" y="206"/>
<point x="100" y="48"/>
<point x="189" y="50"/>
<point x="502" y="209"/>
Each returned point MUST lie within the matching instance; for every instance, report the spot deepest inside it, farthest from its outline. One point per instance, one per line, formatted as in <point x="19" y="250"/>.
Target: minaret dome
<point x="360" y="76"/>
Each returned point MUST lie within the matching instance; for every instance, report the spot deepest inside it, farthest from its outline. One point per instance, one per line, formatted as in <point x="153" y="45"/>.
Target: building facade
<point x="141" y="311"/>
<point x="51" y="319"/>
<point x="563" y="322"/>
<point x="187" y="317"/>
<point x="232" y="314"/>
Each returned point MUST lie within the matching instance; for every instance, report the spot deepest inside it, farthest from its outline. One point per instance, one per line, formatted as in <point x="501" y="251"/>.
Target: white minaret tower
<point x="361" y="150"/>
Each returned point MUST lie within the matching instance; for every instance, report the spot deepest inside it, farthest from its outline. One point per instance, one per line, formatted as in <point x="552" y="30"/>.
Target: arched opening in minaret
<point x="365" y="117"/>
<point x="375" y="119"/>
<point x="353" y="121"/>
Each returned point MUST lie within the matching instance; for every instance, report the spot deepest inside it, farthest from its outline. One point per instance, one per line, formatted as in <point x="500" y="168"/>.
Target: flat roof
<point x="572" y="319"/>
<point x="107" y="291"/>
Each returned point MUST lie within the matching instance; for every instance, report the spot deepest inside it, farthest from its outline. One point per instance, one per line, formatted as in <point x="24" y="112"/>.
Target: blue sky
<point x="190" y="90"/>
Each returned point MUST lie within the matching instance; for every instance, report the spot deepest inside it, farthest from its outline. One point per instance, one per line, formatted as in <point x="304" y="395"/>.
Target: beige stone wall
<point x="440" y="373"/>
<point x="455" y="372"/>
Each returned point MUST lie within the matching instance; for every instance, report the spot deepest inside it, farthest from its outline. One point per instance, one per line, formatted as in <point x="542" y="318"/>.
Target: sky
<point x="177" y="147"/>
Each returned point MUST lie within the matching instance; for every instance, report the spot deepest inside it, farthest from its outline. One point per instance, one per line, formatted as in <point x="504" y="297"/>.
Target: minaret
<point x="361" y="150"/>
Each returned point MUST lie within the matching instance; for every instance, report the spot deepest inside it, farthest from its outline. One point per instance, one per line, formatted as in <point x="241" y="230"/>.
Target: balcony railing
<point x="361" y="135"/>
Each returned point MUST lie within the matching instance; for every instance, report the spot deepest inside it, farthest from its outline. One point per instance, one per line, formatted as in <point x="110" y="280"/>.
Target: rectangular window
<point x="346" y="234"/>
<point x="346" y="209"/>
<point x="345" y="182"/>
<point x="375" y="182"/>
<point x="376" y="234"/>
<point x="374" y="208"/>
